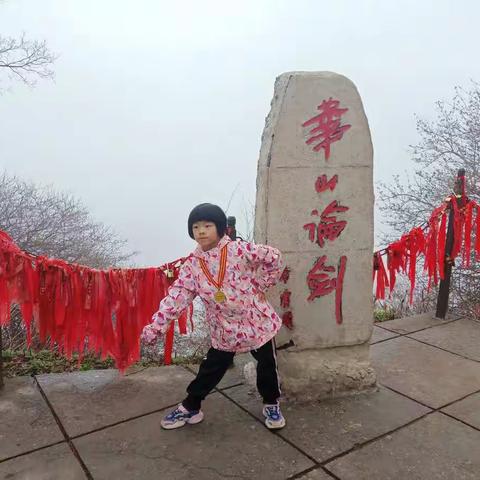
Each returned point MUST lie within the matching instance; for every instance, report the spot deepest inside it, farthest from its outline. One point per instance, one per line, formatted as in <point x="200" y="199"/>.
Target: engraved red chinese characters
<point x="328" y="128"/>
<point x="329" y="227"/>
<point x="321" y="283"/>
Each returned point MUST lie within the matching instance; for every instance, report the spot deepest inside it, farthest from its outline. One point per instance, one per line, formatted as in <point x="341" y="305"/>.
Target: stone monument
<point x="315" y="203"/>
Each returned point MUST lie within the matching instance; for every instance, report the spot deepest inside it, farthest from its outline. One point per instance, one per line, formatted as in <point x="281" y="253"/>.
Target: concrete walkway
<point x="422" y="423"/>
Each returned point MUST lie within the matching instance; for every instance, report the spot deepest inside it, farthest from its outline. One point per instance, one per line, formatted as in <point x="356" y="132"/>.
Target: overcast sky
<point x="159" y="105"/>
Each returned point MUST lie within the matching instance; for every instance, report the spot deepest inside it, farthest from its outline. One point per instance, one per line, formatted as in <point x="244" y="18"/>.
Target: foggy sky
<point x="158" y="106"/>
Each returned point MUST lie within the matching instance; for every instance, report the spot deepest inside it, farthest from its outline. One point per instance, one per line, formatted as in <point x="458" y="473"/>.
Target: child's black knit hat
<point x="208" y="212"/>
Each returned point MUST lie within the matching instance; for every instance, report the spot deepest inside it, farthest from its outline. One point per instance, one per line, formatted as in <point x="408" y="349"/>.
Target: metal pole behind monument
<point x="232" y="233"/>
<point x="231" y="228"/>
<point x="444" y="289"/>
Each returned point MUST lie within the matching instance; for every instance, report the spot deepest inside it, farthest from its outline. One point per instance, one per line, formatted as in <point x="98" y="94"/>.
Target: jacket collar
<point x="199" y="253"/>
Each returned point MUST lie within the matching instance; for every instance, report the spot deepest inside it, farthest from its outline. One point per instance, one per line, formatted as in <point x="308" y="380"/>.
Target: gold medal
<point x="219" y="296"/>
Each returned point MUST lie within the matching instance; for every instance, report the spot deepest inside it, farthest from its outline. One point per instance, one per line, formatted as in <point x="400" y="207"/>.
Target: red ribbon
<point x="467" y="249"/>
<point x="458" y="223"/>
<point x="477" y="234"/>
<point x="83" y="309"/>
<point x="442" y="239"/>
<point x="415" y="246"/>
<point x="382" y="277"/>
<point x="403" y="254"/>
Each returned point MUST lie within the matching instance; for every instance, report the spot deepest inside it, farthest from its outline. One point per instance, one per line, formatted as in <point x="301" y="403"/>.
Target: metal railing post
<point x="444" y="288"/>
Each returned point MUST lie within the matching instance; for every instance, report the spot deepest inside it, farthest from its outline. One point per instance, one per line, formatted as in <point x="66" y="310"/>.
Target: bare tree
<point x="248" y="216"/>
<point x="196" y="343"/>
<point x="450" y="142"/>
<point x="249" y="221"/>
<point x="44" y="221"/>
<point x="25" y="60"/>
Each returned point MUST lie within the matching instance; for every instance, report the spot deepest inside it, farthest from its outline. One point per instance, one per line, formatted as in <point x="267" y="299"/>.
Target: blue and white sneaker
<point x="180" y="416"/>
<point x="273" y="416"/>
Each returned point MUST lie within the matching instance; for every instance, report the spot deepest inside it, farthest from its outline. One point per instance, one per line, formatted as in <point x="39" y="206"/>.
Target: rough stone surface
<point x="379" y="334"/>
<point x="424" y="373"/>
<point x="286" y="197"/>
<point x="462" y="337"/>
<point x="85" y="401"/>
<point x="316" y="327"/>
<point x="53" y="463"/>
<point x="317" y="474"/>
<point x="227" y="444"/>
<point x="325" y="429"/>
<point x="414" y="323"/>
<point x="435" y="447"/>
<point x="281" y="181"/>
<point x="317" y="374"/>
<point x="233" y="442"/>
<point x="467" y="410"/>
<point x="26" y="422"/>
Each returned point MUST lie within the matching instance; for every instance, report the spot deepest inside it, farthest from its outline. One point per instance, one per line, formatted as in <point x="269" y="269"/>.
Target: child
<point x="231" y="278"/>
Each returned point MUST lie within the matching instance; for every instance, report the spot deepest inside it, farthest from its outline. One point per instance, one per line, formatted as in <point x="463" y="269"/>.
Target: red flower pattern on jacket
<point x="243" y="322"/>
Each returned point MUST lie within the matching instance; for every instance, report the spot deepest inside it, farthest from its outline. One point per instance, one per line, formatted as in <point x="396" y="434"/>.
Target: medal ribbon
<point x="221" y="272"/>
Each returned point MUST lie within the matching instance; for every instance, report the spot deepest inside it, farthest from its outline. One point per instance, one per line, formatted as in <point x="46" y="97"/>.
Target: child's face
<point x="205" y="233"/>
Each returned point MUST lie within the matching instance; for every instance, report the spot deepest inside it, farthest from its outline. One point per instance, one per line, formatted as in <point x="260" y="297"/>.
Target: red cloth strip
<point x="81" y="309"/>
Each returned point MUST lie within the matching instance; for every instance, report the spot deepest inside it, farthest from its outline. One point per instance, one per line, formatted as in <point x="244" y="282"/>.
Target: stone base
<point x="310" y="375"/>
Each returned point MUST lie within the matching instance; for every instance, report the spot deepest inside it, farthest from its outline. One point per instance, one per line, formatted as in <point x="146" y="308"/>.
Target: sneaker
<point x="180" y="416"/>
<point x="273" y="416"/>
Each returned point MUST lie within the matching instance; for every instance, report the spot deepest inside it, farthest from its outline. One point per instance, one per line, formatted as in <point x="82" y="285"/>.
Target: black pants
<point x="213" y="368"/>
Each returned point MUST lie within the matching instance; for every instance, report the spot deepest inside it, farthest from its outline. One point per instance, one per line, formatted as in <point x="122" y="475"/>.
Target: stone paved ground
<point x="422" y="423"/>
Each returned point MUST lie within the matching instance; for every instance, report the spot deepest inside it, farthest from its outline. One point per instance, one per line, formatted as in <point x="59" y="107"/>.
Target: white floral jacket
<point x="242" y="322"/>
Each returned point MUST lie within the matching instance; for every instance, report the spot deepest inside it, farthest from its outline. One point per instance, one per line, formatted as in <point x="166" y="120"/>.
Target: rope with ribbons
<point x="429" y="241"/>
<point x="82" y="309"/>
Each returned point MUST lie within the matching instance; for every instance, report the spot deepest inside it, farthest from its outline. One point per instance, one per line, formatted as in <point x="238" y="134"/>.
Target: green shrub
<point x="383" y="314"/>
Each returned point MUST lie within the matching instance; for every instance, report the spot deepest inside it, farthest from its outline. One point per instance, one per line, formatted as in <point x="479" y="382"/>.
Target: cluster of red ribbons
<point x="80" y="309"/>
<point x="402" y="255"/>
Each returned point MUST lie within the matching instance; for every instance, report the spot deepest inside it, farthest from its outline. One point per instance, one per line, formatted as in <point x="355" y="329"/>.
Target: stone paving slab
<point x="328" y="428"/>
<point x="317" y="474"/>
<point x="467" y="410"/>
<point x="227" y="444"/>
<point x="424" y="373"/>
<point x="416" y="322"/>
<point x="462" y="337"/>
<point x="85" y="401"/>
<point x="380" y="334"/>
<point x="26" y="422"/>
<point x="435" y="447"/>
<point x="53" y="463"/>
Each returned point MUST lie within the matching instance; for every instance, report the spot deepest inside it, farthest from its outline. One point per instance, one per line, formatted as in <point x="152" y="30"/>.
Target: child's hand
<point x="149" y="334"/>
